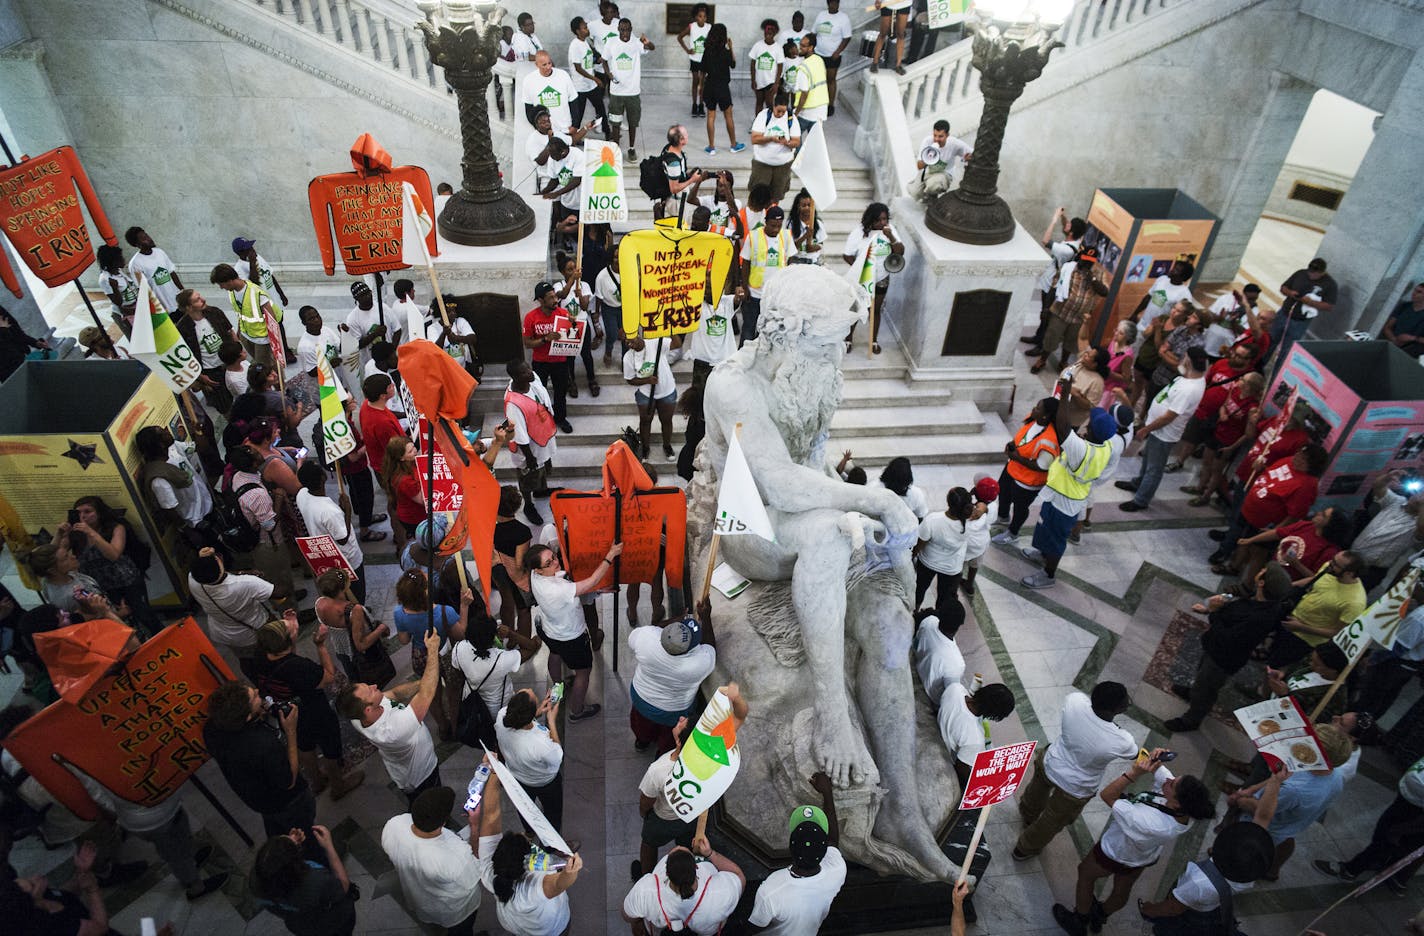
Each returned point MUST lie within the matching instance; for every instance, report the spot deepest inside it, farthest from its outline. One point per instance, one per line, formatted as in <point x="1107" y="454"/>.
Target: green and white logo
<point x="766" y="62"/>
<point x="550" y="97"/>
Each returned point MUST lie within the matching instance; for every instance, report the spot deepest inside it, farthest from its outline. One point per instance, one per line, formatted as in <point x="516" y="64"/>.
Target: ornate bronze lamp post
<point x="1012" y="41"/>
<point x="463" y="39"/>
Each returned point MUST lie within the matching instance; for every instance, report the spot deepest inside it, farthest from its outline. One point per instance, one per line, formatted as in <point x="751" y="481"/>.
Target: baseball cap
<point x="681" y="636"/>
<point x="986" y="489"/>
<point x="422" y="532"/>
<point x="809" y="835"/>
<point x="359" y="287"/>
<point x="242" y="245"/>
<point x="544" y="286"/>
<point x="1243" y="852"/>
<point x="1123" y="414"/>
<point x="1101" y="426"/>
<point x="775" y="211"/>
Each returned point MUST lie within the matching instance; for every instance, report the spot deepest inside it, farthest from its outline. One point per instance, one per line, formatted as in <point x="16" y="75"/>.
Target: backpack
<point x="652" y="177"/>
<point x="235" y="531"/>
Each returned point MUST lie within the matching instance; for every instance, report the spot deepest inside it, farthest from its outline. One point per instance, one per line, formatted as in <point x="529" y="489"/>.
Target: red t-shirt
<point x="408" y="508"/>
<point x="1314" y="550"/>
<point x="1220" y="378"/>
<point x="379" y="427"/>
<point x="1261" y="345"/>
<point x="538" y="322"/>
<point x="1286" y="444"/>
<point x="1278" y="493"/>
<point x="1237" y="406"/>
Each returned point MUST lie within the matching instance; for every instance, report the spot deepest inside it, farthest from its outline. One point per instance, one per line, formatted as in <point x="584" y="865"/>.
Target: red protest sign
<point x="321" y="555"/>
<point x="274" y="336"/>
<point x="41" y="216"/>
<point x="997" y="774"/>
<point x="570" y="337"/>
<point x="448" y="498"/>
<point x="137" y="731"/>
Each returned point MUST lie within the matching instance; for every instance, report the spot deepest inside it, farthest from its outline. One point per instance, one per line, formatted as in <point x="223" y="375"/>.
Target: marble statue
<point x="831" y="597"/>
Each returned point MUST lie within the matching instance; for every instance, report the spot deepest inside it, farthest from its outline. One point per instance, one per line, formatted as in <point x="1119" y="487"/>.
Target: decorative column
<point x="1008" y="55"/>
<point x="483" y="213"/>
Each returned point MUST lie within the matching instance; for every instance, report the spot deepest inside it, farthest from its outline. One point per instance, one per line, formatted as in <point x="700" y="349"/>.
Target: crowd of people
<point x="1177" y="381"/>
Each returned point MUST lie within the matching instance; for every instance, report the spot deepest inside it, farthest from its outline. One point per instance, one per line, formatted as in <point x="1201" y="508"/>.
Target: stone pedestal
<point x="958" y="310"/>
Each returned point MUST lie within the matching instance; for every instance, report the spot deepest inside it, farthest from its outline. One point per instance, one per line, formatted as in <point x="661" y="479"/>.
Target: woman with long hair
<point x="576" y="296"/>
<point x="511" y="542"/>
<point x="939" y="555"/>
<point x="872" y="242"/>
<point x="116" y="283"/>
<point x="412" y="614"/>
<point x="487" y="669"/>
<point x="403" y="488"/>
<point x="58" y="571"/>
<point x="898" y="476"/>
<point x="99" y="538"/>
<point x="718" y="60"/>
<point x="807" y="230"/>
<point x="312" y="898"/>
<point x="349" y="626"/>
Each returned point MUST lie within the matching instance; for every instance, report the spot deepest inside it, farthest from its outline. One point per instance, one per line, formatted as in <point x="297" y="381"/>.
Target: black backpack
<point x="652" y="177"/>
<point x="236" y="533"/>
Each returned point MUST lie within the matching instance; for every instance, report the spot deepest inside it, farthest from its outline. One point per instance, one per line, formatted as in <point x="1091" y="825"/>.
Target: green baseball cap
<point x="803" y="814"/>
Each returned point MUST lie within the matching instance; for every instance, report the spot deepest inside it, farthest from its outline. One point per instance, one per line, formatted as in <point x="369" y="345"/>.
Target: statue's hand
<point x="898" y="518"/>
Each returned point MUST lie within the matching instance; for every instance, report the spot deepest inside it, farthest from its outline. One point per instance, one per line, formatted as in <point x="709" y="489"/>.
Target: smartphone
<point x="302" y="452"/>
<point x="73" y="517"/>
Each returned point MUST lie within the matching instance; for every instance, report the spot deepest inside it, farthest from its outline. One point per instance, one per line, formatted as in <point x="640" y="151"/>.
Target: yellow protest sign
<point x="664" y="275"/>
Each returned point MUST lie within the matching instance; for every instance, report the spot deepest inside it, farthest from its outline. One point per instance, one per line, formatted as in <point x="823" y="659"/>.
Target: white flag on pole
<point x="812" y="166"/>
<point x="415" y="225"/>
<point x="739" y="506"/>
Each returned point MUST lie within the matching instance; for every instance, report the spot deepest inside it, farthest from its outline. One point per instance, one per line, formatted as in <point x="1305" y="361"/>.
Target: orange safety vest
<point x="1045" y="441"/>
<point x="537" y="418"/>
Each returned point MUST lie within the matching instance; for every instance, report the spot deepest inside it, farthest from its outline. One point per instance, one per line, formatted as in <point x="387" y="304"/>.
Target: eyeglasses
<point x="549" y="563"/>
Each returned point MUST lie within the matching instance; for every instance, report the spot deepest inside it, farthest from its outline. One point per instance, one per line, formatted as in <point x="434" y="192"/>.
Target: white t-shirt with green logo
<point x="697" y="39"/>
<point x="768" y="124"/>
<point x="555" y="92"/>
<point x="581" y="53"/>
<point x="209" y="341"/>
<point x="764" y="59"/>
<point x="157" y="268"/>
<point x="601" y="33"/>
<point x="714" y="342"/>
<point x="625" y="61"/>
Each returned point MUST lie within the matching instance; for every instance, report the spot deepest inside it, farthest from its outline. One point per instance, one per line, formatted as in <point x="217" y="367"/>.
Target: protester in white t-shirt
<point x="524" y="43"/>
<point x="529" y="903"/>
<point x="964" y="721"/>
<point x="671" y="663"/>
<point x="236" y="606"/>
<point x="550" y="88"/>
<point x="1165" y="292"/>
<point x="154" y="265"/>
<point x="1167" y="418"/>
<point x="647" y="368"/>
<point x="488" y="668"/>
<point x="532" y="751"/>
<point x="939" y="555"/>
<point x="682" y="893"/>
<point x="624" y="56"/>
<point x="937" y="658"/>
<point x="438" y="871"/>
<point x="795" y="901"/>
<point x="1140" y="829"/>
<point x="765" y="60"/>
<point x="394" y="721"/>
<point x="713" y="341"/>
<point x="1069" y="771"/>
<point x="562" y="623"/>
<point x="318" y="340"/>
<point x="776" y="136"/>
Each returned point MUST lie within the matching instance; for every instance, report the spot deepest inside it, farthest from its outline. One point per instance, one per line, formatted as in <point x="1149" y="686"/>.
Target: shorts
<point x="1050" y="537"/>
<point x="717" y="96"/>
<point x="696" y="68"/>
<point x="833" y="62"/>
<point x="658" y="831"/>
<point x="630" y="105"/>
<point x="1198" y="431"/>
<point x="643" y="399"/>
<point x="1107" y="864"/>
<point x="576" y="654"/>
<point x="1146" y="372"/>
<point x="886" y="12"/>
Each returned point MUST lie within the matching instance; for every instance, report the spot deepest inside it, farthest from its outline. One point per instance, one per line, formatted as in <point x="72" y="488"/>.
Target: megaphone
<point x="931" y="155"/>
<point x="894" y="263"/>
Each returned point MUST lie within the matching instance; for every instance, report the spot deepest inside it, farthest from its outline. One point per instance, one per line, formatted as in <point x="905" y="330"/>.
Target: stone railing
<point x="384" y="33"/>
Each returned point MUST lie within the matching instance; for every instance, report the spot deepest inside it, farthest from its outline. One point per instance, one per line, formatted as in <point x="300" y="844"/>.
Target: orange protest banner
<point x="364" y="207"/>
<point x="137" y="731"/>
<point x="41" y="216"/>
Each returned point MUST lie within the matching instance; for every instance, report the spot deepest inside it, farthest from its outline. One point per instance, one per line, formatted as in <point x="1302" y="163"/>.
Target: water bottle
<point x="477" y="786"/>
<point x="556" y="694"/>
<point x="541" y="861"/>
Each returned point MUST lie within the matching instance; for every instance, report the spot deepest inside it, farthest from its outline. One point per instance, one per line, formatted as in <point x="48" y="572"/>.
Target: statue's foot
<point x="841" y="753"/>
<point x="900" y="821"/>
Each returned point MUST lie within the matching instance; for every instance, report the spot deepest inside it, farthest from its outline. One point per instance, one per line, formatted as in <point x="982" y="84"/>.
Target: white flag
<point x="157" y="343"/>
<point x="812" y="166"/>
<point x="739" y="506"/>
<point x="415" y="225"/>
<point x="602" y="192"/>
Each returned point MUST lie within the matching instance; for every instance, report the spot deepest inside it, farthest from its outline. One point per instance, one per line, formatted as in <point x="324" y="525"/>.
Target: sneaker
<point x="1074" y="536"/>
<point x="1190" y="489"/>
<point x="1180" y="724"/>
<point x="695" y="109"/>
<point x="1131" y="506"/>
<point x="206" y="886"/>
<point x="831" y="111"/>
<point x="532" y="514"/>
<point x="1004" y="539"/>
<point x="1097" y="916"/>
<point x="1126" y="486"/>
<point x="1335" y="870"/>
<point x="565" y="426"/>
<point x="874" y="68"/>
<point x="123" y="872"/>
<point x="588" y="712"/>
<point x="1072" y="923"/>
<point x="739" y="147"/>
<point x="201" y="856"/>
<point x="573" y="391"/>
<point x="1018" y="855"/>
<point x="967" y="587"/>
<point x="669" y="453"/>
<point x="1172" y="468"/>
<point x="1031" y="554"/>
<point x="632" y="154"/>
<point x="899" y="69"/>
<point x="1037" y="580"/>
<point x="710" y="150"/>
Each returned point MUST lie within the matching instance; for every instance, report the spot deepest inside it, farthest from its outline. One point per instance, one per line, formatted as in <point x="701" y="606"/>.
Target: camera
<point x="1412" y="484"/>
<point x="278" y="708"/>
<point x="73" y="517"/>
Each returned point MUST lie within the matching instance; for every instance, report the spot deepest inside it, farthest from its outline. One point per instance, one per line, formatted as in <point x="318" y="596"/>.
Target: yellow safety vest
<point x="249" y="313"/>
<point x="818" y="96"/>
<point x="1075" y="482"/>
<point x="761" y="250"/>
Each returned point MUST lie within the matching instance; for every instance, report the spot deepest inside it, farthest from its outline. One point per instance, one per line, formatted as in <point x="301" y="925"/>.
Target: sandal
<point x="378" y="518"/>
<point x="594" y="389"/>
<point x="372" y="536"/>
